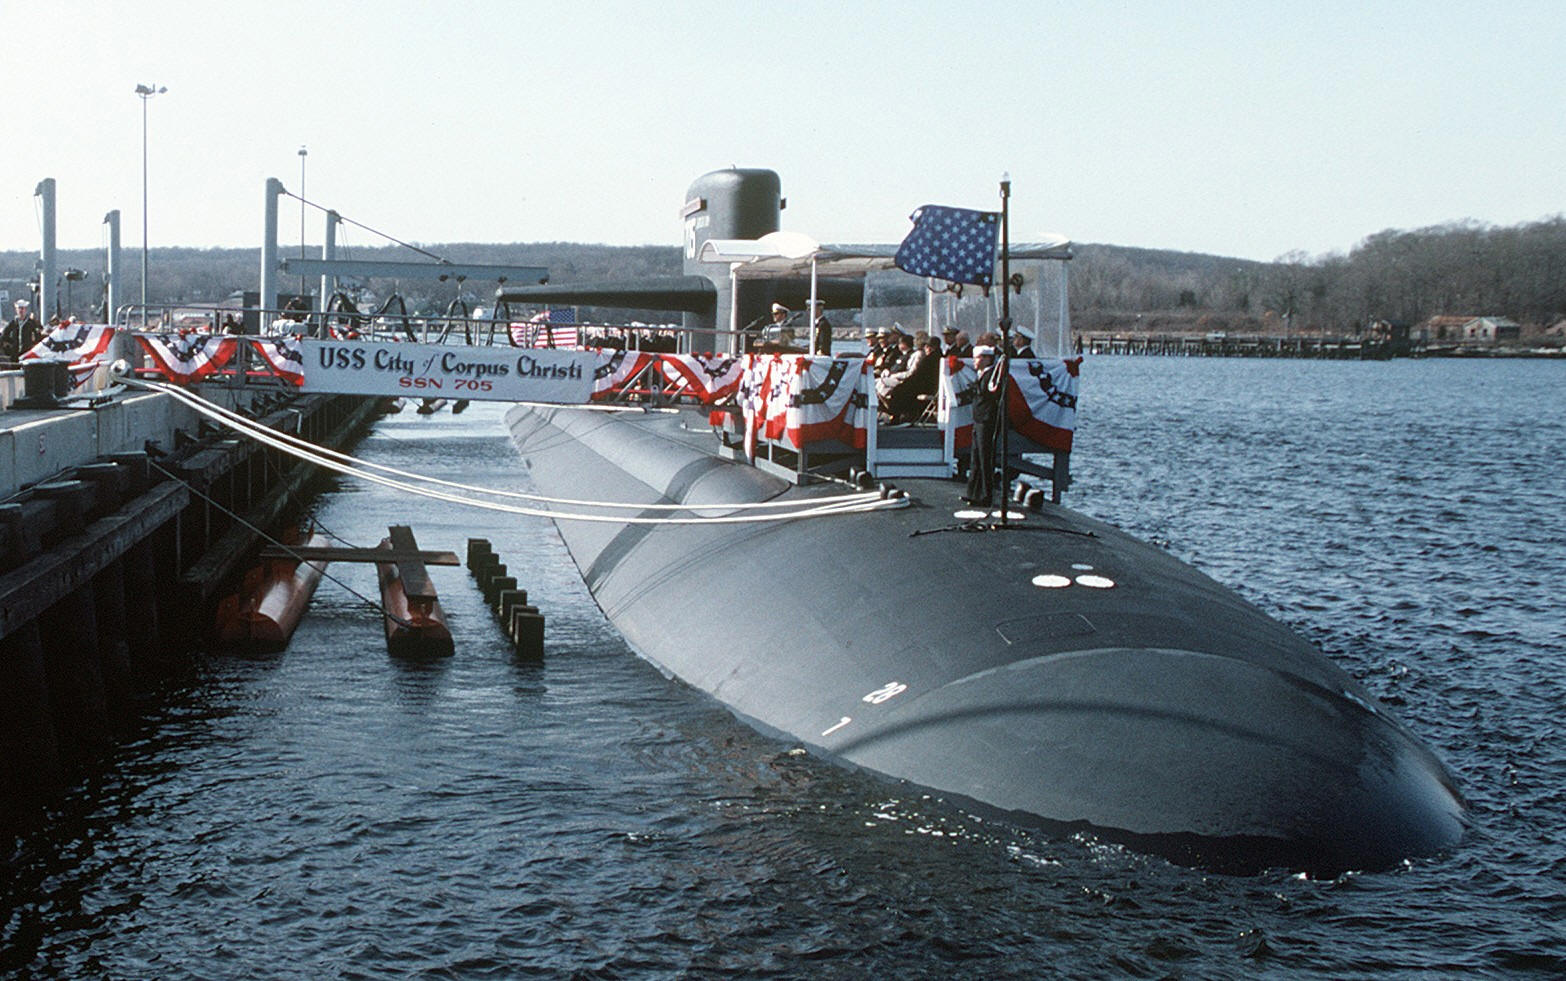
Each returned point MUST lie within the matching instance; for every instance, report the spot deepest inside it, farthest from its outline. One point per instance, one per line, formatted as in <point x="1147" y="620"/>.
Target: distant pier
<point x="1220" y="345"/>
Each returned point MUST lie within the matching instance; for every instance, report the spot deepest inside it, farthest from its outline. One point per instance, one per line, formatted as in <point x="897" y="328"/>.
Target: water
<point x="330" y="812"/>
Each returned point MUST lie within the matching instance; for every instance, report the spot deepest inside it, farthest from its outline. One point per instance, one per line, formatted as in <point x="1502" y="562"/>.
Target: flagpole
<point x="1002" y="361"/>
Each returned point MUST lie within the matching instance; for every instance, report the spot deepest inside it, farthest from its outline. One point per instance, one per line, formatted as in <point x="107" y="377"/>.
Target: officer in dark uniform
<point x="823" y="328"/>
<point x="986" y="419"/>
<point x="20" y="334"/>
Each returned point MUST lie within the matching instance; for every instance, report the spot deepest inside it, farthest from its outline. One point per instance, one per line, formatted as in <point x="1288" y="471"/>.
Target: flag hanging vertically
<point x="954" y="244"/>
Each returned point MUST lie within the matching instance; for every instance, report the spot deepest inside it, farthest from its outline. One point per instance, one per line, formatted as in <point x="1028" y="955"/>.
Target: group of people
<point x="907" y="367"/>
<point x="906" y="374"/>
<point x="778" y="336"/>
<point x="907" y="370"/>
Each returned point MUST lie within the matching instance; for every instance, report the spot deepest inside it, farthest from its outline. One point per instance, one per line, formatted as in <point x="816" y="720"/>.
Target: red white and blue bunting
<point x="707" y="377"/>
<point x="184" y="357"/>
<point x="827" y="401"/>
<point x="285" y="355"/>
<point x="1041" y="401"/>
<point x="81" y="346"/>
<point x="617" y="368"/>
<point x="72" y="343"/>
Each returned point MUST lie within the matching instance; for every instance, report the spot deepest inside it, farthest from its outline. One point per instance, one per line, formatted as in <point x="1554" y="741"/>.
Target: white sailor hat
<point x="983" y="350"/>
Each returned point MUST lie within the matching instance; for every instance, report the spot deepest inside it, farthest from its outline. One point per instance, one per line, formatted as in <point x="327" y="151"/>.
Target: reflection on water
<point x="332" y="811"/>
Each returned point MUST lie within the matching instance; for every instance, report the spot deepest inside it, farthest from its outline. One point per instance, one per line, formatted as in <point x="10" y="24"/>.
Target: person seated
<point x="906" y="399"/>
<point x="899" y="353"/>
<point x="1021" y="348"/>
<point x="902" y="349"/>
<point x="881" y="353"/>
<point x="960" y="346"/>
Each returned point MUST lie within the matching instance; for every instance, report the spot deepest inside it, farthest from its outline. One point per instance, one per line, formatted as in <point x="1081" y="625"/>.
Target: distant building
<point x="1469" y="331"/>
<point x="1389" y="338"/>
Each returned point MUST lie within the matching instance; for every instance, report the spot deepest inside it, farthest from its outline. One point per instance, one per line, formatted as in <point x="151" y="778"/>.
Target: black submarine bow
<point x="1140" y="700"/>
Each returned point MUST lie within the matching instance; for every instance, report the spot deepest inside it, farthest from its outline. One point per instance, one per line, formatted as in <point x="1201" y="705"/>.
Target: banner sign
<point x="437" y="370"/>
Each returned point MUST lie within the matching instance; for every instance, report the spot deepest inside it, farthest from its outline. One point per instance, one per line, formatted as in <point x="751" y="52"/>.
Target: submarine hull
<point x="1162" y="711"/>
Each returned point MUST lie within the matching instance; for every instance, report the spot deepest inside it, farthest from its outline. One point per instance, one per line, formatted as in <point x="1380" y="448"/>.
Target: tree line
<point x="1461" y="268"/>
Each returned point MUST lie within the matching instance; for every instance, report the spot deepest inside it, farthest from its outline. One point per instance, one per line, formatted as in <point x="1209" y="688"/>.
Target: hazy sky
<point x="1245" y="128"/>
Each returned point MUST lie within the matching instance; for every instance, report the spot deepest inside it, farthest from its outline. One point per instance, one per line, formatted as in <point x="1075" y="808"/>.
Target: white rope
<point x="244" y="421"/>
<point x="269" y="437"/>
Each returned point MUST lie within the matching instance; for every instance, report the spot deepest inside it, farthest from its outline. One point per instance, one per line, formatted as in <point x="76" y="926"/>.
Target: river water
<point x="330" y="812"/>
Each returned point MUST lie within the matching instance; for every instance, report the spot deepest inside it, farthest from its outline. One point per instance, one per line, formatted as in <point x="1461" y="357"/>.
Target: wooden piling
<point x="31" y="768"/>
<point x="77" y="702"/>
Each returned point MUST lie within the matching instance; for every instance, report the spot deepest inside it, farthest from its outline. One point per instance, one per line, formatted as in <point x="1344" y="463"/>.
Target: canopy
<point x="783" y="254"/>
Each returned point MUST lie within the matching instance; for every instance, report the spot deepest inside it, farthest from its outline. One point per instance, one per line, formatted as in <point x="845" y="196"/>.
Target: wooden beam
<point x="336" y="553"/>
<point x="415" y="578"/>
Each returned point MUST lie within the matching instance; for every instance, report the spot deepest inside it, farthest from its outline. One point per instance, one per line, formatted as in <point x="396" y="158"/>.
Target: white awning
<point x="782" y="254"/>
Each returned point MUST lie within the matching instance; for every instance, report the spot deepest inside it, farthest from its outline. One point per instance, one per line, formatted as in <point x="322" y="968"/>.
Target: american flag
<point x="553" y="327"/>
<point x="954" y="244"/>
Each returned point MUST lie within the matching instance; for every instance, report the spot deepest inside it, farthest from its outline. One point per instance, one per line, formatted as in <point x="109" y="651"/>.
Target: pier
<point x="119" y="524"/>
<point x="1219" y="345"/>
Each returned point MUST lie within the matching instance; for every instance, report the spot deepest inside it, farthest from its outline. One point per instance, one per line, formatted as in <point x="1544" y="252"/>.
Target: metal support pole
<point x="146" y="92"/>
<point x="328" y="253"/>
<point x="111" y="297"/>
<point x="1005" y="331"/>
<point x="303" y="289"/>
<point x="268" y="301"/>
<point x="48" y="292"/>
<point x="145" y="95"/>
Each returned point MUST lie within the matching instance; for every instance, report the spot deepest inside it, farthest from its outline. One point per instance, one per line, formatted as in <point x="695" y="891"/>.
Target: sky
<point x="1248" y="129"/>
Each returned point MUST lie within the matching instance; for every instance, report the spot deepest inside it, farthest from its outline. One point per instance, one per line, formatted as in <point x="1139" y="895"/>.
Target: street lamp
<point x="302" y="154"/>
<point x="146" y="92"/>
<point x="72" y="275"/>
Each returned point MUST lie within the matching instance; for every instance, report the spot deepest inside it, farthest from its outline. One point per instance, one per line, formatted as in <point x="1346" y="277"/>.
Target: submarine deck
<point x="908" y="642"/>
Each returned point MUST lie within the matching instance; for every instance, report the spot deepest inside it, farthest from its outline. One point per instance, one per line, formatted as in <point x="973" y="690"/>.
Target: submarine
<point x="1048" y="668"/>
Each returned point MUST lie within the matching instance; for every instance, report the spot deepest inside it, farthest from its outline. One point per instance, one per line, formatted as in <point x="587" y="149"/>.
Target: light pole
<point x="72" y="275"/>
<point x="302" y="154"/>
<point x="146" y="92"/>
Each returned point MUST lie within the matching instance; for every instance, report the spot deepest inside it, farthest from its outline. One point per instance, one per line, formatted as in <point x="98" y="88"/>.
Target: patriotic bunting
<point x="955" y="407"/>
<point x="73" y="343"/>
<point x="780" y="382"/>
<point x="827" y="401"/>
<point x="184" y="358"/>
<point x="1041" y="401"/>
<point x="81" y="346"/>
<point x="709" y="377"/>
<point x="284" y="354"/>
<point x="616" y="369"/>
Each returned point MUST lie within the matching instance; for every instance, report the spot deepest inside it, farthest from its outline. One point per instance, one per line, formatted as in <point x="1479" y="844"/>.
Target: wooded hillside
<point x="1464" y="268"/>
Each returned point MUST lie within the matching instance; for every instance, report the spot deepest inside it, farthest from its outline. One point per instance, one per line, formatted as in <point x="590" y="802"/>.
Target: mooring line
<point x="245" y="421"/>
<point x="268" y="437"/>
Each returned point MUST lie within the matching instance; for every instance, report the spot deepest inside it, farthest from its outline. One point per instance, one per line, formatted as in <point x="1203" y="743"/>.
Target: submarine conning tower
<point x="737" y="203"/>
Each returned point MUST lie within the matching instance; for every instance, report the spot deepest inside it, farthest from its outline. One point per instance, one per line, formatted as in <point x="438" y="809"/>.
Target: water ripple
<point x="332" y="812"/>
